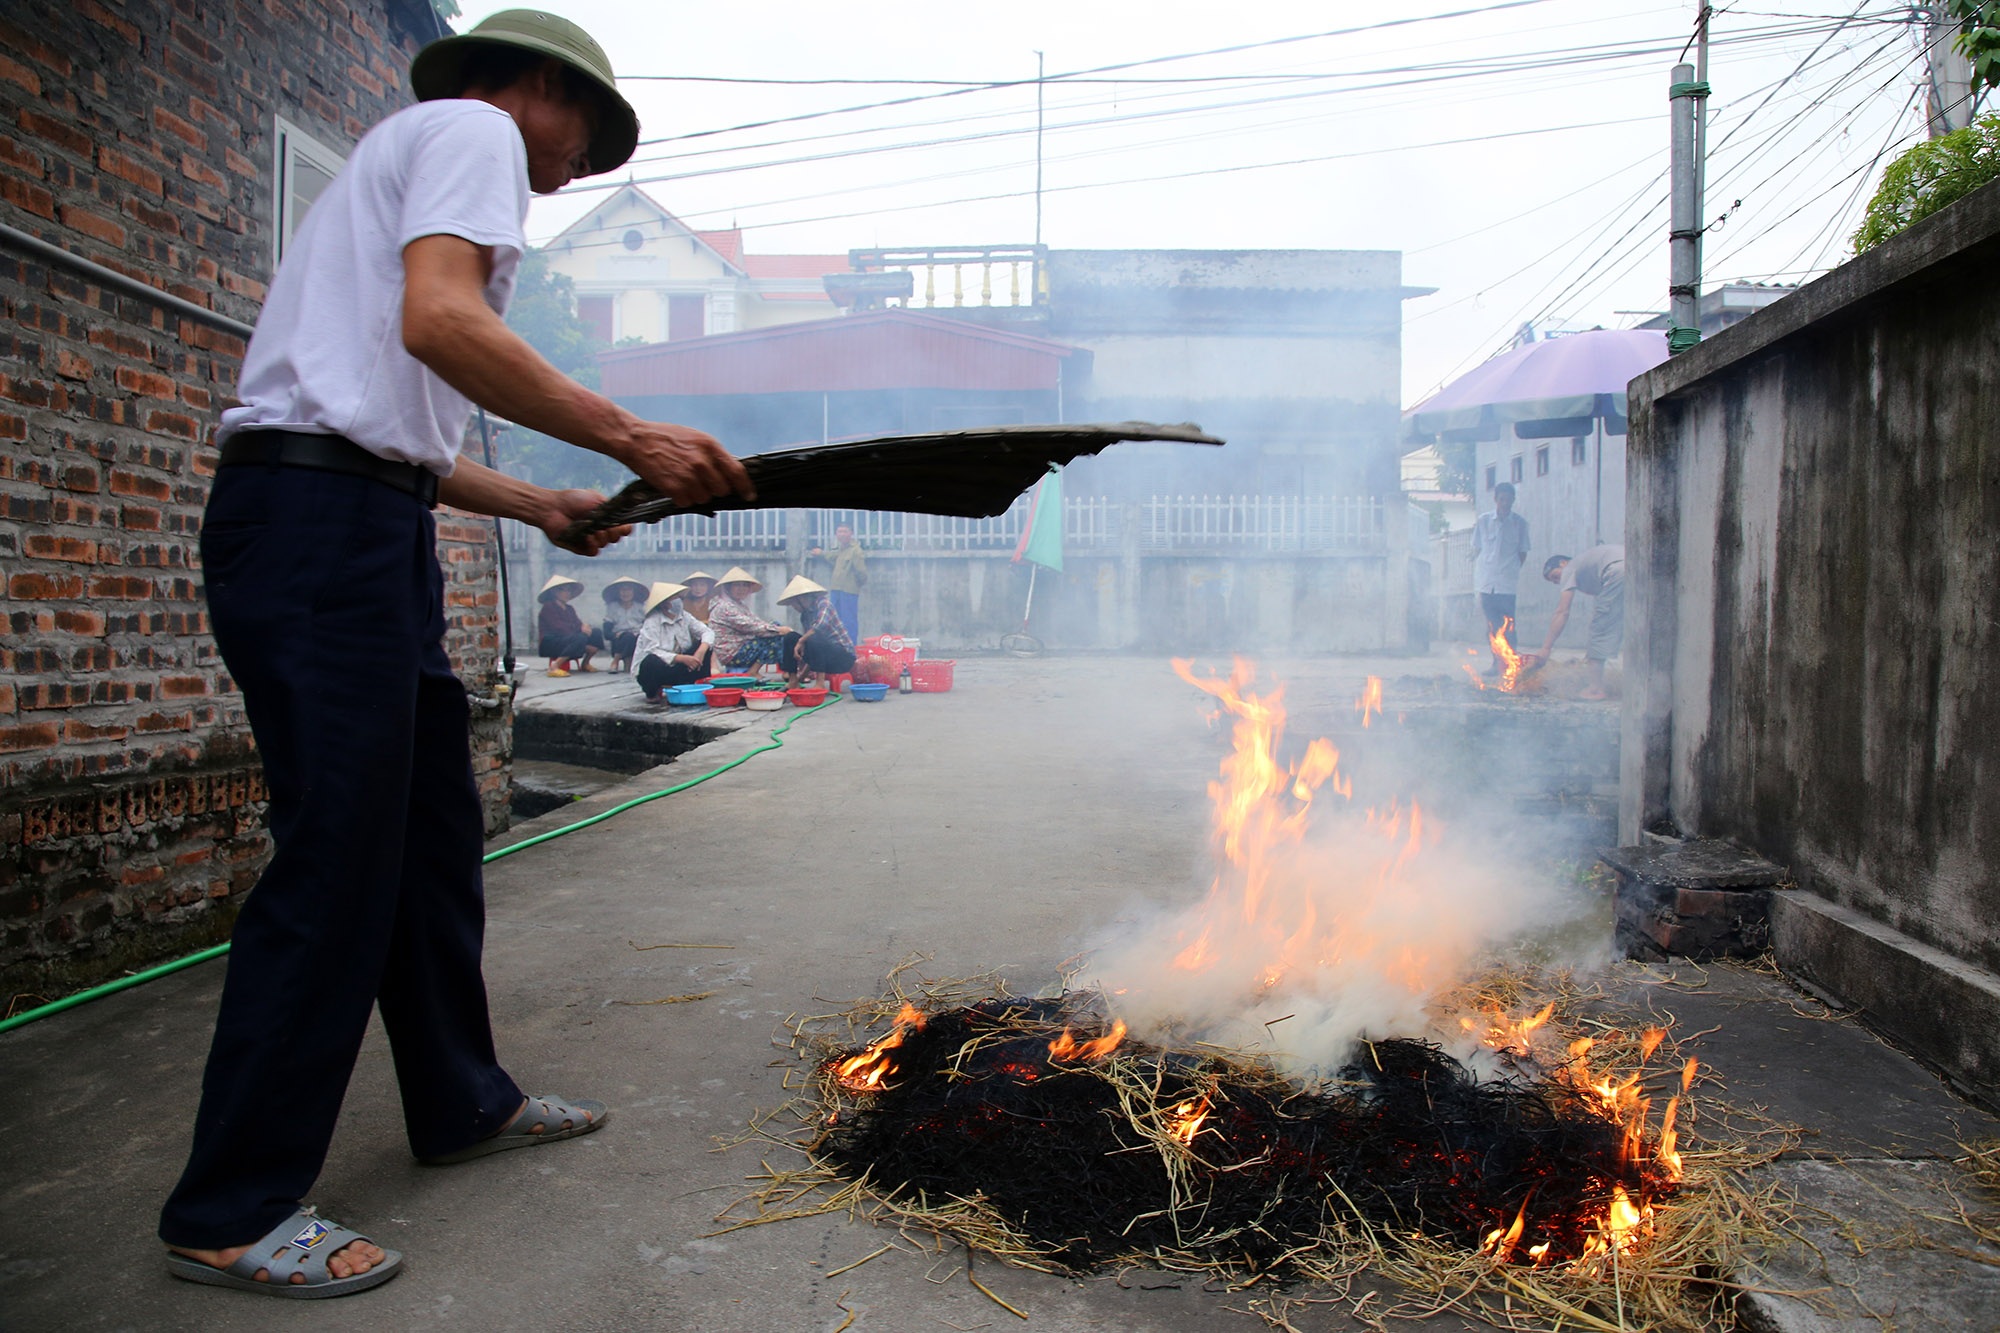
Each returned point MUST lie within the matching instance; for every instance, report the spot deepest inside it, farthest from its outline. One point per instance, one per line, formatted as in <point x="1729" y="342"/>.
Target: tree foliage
<point x="543" y="312"/>
<point x="1978" y="23"/>
<point x="1930" y="176"/>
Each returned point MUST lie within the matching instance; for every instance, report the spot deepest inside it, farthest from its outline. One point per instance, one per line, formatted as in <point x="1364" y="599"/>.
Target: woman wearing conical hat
<point x="624" y="608"/>
<point x="745" y="640"/>
<point x="700" y="587"/>
<point x="824" y="648"/>
<point x="565" y="638"/>
<point x="673" y="646"/>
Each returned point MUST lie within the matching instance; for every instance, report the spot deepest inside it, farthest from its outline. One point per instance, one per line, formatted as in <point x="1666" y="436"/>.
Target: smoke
<point x="1332" y="917"/>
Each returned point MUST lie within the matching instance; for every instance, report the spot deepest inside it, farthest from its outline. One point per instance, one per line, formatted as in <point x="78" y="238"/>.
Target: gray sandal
<point x="302" y="1243"/>
<point x="557" y="1119"/>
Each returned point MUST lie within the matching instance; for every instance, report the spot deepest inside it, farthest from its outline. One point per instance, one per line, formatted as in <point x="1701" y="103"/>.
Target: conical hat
<point x="662" y="593"/>
<point x="738" y="574"/>
<point x="798" y="587"/>
<point x="556" y="581"/>
<point x="699" y="574"/>
<point x="611" y="588"/>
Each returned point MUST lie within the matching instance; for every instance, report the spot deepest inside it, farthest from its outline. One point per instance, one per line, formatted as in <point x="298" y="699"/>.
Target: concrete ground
<point x="992" y="828"/>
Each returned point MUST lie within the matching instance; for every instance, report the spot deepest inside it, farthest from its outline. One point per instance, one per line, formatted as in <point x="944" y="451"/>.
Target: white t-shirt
<point x="328" y="356"/>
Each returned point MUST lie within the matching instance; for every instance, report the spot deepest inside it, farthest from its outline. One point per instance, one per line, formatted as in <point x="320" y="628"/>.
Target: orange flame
<point x="1624" y="1223"/>
<point x="1370" y="701"/>
<point x="1500" y="1242"/>
<point x="871" y="1067"/>
<point x="1188" y="1119"/>
<point x="1067" y="1047"/>
<point x="1510" y="661"/>
<point x="1511" y="1036"/>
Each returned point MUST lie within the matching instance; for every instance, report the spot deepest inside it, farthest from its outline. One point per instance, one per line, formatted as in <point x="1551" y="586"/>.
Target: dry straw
<point x="1678" y="1276"/>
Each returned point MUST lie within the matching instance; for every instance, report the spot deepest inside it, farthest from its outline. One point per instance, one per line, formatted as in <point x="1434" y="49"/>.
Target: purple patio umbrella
<point x="1578" y="375"/>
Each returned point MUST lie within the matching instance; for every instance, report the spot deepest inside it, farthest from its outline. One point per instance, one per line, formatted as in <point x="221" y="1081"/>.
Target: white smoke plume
<point x="1331" y="918"/>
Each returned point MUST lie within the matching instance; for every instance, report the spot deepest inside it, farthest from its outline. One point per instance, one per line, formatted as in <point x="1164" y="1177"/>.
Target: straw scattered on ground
<point x="1368" y="1240"/>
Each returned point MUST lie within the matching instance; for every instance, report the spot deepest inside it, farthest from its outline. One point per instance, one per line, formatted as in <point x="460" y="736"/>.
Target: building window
<point x="687" y="317"/>
<point x="1579" y="451"/>
<point x="301" y="167"/>
<point x="596" y="312"/>
<point x="633" y="240"/>
<point x="1542" y="461"/>
<point x="1516" y="472"/>
<point x="1492" y="475"/>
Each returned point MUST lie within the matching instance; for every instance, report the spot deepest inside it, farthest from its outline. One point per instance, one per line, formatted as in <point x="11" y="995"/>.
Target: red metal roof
<point x="881" y="349"/>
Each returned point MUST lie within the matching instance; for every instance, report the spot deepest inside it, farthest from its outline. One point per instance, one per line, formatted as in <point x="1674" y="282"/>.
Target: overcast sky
<point x="1516" y="154"/>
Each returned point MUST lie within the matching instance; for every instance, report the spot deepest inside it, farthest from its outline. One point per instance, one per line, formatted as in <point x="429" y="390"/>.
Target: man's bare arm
<point x="1556" y="623"/>
<point x="475" y="487"/>
<point x="448" y="326"/>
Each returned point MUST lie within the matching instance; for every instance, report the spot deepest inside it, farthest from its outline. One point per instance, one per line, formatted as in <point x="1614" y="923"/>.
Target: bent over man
<point x="1599" y="574"/>
<point x="382" y="328"/>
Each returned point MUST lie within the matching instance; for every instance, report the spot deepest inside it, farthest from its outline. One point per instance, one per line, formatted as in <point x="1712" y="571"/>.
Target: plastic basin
<point x="867" y="693"/>
<point x="723" y="697"/>
<point x="687" y="694"/>
<point x="806" y="698"/>
<point x="763" y="701"/>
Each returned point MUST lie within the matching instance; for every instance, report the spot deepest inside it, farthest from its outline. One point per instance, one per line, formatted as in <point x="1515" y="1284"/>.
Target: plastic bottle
<point x="903" y="680"/>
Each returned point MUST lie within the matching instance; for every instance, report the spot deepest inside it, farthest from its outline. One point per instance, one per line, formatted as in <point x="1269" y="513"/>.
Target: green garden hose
<point x="152" y="973"/>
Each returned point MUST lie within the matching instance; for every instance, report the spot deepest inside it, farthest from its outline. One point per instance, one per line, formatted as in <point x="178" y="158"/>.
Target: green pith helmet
<point x="436" y="72"/>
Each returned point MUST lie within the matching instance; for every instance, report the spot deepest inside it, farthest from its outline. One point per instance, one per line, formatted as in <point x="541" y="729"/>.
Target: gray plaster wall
<point x="1813" y="552"/>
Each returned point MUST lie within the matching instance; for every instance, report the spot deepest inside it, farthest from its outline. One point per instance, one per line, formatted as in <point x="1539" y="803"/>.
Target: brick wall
<point x="139" y="134"/>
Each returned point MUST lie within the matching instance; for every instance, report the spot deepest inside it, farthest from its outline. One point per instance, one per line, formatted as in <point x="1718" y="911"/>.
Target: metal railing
<point x="1174" y="523"/>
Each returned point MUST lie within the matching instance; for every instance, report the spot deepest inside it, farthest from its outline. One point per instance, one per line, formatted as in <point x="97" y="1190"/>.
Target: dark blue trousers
<point x="325" y="597"/>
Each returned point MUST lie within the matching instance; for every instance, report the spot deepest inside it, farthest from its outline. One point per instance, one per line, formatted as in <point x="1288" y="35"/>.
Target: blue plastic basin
<point x="868" y="694"/>
<point x="687" y="694"/>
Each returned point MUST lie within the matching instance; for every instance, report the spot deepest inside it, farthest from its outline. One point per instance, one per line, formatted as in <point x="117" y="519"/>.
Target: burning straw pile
<point x="1035" y="1131"/>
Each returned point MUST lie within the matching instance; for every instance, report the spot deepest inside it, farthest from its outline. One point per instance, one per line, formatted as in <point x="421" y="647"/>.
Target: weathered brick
<point x="139" y="518"/>
<point x="58" y="132"/>
<point x="239" y="164"/>
<point x="28" y="197"/>
<point x="98" y="14"/>
<point x="93" y="224"/>
<point x="44" y="586"/>
<point x="33" y="736"/>
<point x="80" y="621"/>
<point x="22" y="158"/>
<point x="167" y="122"/>
<point x="80" y="477"/>
<point x="121" y="587"/>
<point x="138" y="484"/>
<point x="173" y="423"/>
<point x="201" y="173"/>
<point x="71" y="366"/>
<point x="15" y="72"/>
<point x="182" y="687"/>
<point x="129" y="168"/>
<point x="43" y="546"/>
<point x="144" y="382"/>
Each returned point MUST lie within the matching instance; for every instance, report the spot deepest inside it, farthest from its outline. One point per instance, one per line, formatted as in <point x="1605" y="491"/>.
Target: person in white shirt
<point x="1499" y="549"/>
<point x="673" y="646"/>
<point x="382" y="329"/>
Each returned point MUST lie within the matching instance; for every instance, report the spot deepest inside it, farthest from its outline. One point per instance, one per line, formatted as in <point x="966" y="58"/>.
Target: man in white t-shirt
<point x="383" y="327"/>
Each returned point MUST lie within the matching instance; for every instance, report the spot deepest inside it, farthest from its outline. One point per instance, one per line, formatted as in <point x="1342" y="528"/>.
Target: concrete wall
<point x="1813" y="549"/>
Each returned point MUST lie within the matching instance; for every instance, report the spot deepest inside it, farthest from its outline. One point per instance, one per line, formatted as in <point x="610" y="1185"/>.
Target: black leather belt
<point x="327" y="453"/>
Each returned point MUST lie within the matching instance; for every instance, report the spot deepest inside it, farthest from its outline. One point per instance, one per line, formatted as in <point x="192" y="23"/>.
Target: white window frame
<point x="289" y="146"/>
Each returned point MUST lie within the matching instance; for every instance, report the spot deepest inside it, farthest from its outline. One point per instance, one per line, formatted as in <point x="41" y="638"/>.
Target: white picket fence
<point x="1176" y="523"/>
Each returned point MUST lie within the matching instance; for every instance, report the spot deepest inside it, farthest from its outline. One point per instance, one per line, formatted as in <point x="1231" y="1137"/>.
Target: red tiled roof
<point x="728" y="244"/>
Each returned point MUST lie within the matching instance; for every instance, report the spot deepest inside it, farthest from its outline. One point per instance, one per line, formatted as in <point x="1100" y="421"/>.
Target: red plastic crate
<point x="932" y="675"/>
<point x="891" y="646"/>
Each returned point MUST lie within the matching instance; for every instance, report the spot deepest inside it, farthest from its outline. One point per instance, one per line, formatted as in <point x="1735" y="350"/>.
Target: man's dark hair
<point x="1549" y="565"/>
<point x="494" y="66"/>
<point x="1505" y="488"/>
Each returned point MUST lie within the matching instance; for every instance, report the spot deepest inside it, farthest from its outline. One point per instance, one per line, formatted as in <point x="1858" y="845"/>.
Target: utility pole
<point x="1948" y="75"/>
<point x="1687" y="97"/>
<point x="1040" y="84"/>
